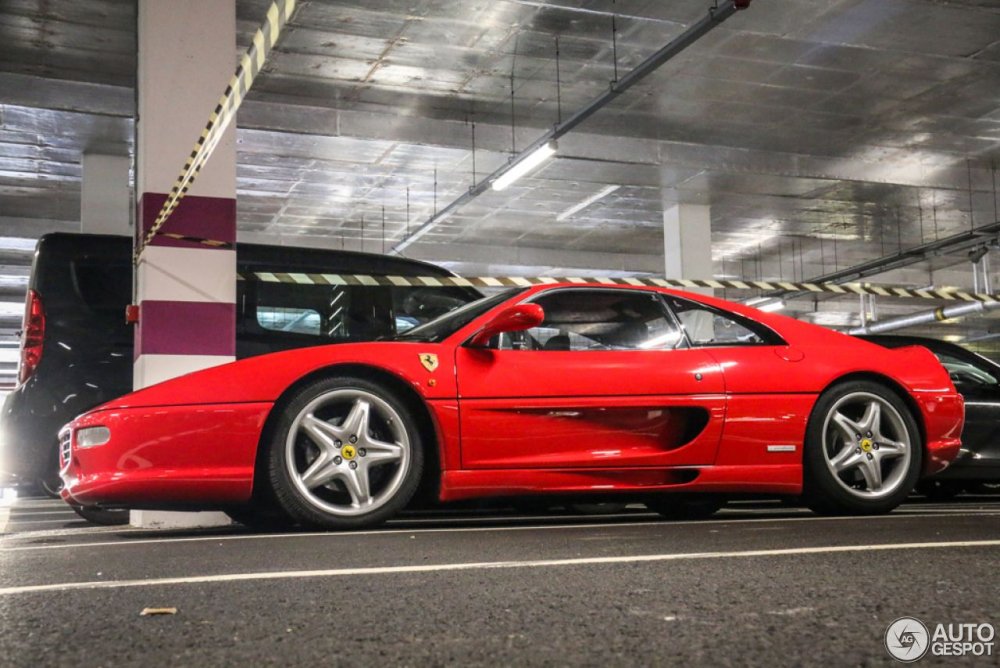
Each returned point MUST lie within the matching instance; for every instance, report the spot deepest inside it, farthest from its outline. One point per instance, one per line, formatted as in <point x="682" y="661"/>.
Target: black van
<point x="76" y="350"/>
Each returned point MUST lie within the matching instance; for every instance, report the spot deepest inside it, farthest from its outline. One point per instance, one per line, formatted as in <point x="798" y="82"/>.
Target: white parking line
<point x="431" y="530"/>
<point x="485" y="565"/>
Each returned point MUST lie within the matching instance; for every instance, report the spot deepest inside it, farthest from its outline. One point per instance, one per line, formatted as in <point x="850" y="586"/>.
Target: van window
<point x="104" y="286"/>
<point x="337" y="314"/>
<point x="298" y="320"/>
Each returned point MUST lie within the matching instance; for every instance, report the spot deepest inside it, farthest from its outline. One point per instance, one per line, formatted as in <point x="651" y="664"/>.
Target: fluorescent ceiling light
<point x="766" y="304"/>
<point x="528" y="163"/>
<point x="17" y="243"/>
<point x="770" y="307"/>
<point x="580" y="206"/>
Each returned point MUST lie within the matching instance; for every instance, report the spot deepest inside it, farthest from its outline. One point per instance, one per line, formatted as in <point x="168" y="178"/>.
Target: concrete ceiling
<point x="823" y="133"/>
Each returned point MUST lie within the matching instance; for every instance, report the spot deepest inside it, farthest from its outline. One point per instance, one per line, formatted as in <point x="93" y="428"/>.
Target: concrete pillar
<point x="105" y="196"/>
<point x="687" y="241"/>
<point x="186" y="290"/>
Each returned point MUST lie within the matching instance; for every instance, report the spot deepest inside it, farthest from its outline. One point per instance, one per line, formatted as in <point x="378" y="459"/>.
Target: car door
<point x="605" y="381"/>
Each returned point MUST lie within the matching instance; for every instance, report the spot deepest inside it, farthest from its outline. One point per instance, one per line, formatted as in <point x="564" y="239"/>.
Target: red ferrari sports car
<point x="618" y="393"/>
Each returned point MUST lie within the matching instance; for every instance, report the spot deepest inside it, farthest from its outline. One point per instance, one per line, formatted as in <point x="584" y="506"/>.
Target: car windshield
<point x="439" y="329"/>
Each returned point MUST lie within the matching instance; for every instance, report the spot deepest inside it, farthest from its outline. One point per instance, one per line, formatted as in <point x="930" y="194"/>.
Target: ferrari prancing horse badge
<point x="429" y="360"/>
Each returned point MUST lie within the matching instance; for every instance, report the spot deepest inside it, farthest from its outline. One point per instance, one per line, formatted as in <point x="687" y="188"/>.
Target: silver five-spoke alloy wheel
<point x="866" y="445"/>
<point x="347" y="452"/>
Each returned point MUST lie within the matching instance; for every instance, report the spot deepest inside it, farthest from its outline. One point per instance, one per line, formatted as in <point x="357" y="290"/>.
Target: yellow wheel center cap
<point x="866" y="444"/>
<point x="348" y="452"/>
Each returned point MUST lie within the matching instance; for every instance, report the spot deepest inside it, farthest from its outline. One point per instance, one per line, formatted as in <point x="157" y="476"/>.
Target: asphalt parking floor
<point x="759" y="584"/>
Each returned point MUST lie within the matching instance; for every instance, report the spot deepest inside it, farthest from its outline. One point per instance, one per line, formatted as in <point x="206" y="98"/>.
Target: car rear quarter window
<point x="707" y="326"/>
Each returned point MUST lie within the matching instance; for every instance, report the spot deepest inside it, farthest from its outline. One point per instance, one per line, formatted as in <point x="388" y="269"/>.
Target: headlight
<point x="89" y="437"/>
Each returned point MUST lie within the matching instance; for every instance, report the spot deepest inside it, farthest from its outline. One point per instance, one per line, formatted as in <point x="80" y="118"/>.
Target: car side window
<point x="585" y="320"/>
<point x="965" y="373"/>
<point x="707" y="326"/>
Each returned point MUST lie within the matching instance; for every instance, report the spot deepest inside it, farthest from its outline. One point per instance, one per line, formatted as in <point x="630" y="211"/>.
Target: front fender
<point x="267" y="377"/>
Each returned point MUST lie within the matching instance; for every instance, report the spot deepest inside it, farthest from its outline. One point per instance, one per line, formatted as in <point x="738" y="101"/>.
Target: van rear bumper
<point x="27" y="444"/>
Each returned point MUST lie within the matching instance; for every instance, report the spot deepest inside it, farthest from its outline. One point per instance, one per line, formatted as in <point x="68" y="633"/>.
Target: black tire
<point x="940" y="490"/>
<point x="332" y="504"/>
<point x="258" y="518"/>
<point x="983" y="487"/>
<point x="50" y="486"/>
<point x="685" y="506"/>
<point x="828" y="493"/>
<point x="103" y="516"/>
<point x="598" y="508"/>
<point x="531" y="506"/>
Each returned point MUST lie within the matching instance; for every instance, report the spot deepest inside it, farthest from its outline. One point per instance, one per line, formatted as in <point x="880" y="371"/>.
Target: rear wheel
<point x="940" y="490"/>
<point x="991" y="487"/>
<point x="685" y="506"/>
<point x="346" y="453"/>
<point x="863" y="450"/>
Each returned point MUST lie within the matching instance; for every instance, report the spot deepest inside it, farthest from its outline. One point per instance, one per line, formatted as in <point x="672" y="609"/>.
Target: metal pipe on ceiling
<point x="717" y="13"/>
<point x="984" y="234"/>
<point x="924" y="317"/>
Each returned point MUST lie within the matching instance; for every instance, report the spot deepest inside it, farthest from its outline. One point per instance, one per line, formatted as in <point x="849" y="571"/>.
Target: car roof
<point x="252" y="257"/>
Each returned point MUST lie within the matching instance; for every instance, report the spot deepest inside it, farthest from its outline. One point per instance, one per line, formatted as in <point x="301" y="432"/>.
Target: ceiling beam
<point x="891" y="166"/>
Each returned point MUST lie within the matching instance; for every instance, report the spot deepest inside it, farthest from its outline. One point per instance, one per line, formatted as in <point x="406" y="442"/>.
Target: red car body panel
<point x="523" y="422"/>
<point x="194" y="455"/>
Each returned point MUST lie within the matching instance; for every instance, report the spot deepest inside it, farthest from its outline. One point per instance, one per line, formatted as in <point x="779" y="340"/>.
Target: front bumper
<point x="165" y="456"/>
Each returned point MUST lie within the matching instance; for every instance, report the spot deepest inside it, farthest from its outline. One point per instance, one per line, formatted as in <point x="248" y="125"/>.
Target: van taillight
<point x="32" y="336"/>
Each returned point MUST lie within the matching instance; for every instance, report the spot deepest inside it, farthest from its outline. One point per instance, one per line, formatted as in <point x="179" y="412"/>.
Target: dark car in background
<point x="978" y="379"/>
<point x="76" y="349"/>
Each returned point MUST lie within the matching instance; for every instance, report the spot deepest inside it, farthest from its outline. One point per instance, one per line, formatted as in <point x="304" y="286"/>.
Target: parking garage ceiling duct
<point x="716" y="15"/>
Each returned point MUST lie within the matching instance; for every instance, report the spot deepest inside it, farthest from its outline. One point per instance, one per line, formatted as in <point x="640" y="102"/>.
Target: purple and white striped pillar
<point x="186" y="291"/>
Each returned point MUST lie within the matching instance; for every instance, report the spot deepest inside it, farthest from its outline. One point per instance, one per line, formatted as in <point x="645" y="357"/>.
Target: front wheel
<point x="259" y="518"/>
<point x="50" y="486"/>
<point x="346" y="453"/>
<point x="863" y="450"/>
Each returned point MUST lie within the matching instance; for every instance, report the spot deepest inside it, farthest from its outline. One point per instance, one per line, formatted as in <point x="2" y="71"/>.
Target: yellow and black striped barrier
<point x="249" y="67"/>
<point x="946" y="294"/>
